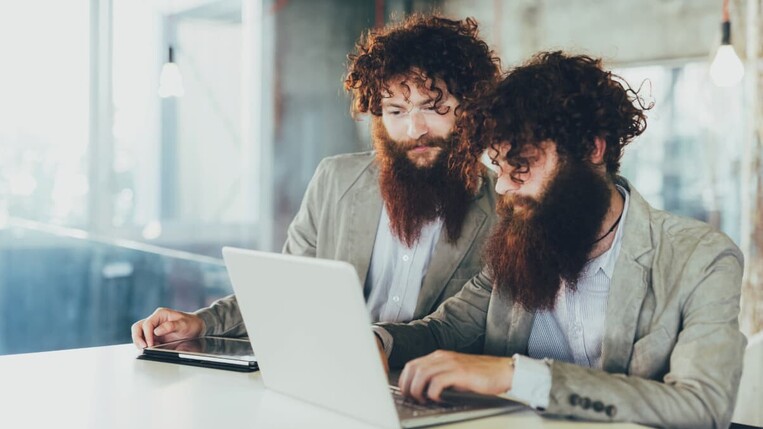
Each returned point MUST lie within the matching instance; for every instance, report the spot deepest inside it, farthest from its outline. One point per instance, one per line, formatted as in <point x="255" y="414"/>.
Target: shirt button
<point x="574" y="399"/>
<point x="396" y="298"/>
<point x="406" y="258"/>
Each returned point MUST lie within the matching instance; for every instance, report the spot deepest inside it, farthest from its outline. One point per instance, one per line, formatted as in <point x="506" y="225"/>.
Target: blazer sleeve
<point x="302" y="235"/>
<point x="223" y="317"/>
<point x="705" y="365"/>
<point x="458" y="324"/>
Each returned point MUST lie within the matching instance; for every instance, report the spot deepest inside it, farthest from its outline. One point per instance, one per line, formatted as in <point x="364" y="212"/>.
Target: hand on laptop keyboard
<point x="427" y="377"/>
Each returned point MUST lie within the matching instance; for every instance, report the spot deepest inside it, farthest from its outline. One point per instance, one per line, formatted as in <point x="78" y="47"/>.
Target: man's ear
<point x="599" y="147"/>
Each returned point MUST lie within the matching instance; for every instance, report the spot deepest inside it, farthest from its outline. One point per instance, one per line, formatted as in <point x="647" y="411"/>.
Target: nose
<point x="504" y="184"/>
<point x="417" y="125"/>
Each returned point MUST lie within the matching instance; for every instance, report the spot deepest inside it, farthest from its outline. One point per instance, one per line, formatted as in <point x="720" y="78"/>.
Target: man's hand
<point x="382" y="355"/>
<point x="426" y="377"/>
<point x="166" y="325"/>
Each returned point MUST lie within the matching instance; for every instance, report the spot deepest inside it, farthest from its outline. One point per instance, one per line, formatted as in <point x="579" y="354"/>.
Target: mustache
<point x="504" y="207"/>
<point x="427" y="141"/>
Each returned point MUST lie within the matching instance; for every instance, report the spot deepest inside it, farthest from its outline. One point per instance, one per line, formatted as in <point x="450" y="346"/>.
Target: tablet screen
<point x="232" y="348"/>
<point x="217" y="352"/>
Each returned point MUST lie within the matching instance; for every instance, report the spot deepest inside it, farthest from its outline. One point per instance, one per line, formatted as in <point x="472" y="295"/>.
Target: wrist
<point x="508" y="374"/>
<point x="202" y="326"/>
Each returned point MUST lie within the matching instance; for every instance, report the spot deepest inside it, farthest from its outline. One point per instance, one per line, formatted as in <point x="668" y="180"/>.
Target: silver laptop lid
<point x="301" y="343"/>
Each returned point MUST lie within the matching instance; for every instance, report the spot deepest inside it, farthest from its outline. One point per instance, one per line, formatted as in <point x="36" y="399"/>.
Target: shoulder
<point x="691" y="237"/>
<point x="349" y="160"/>
<point x="687" y="251"/>
<point x="339" y="173"/>
<point x="346" y="165"/>
<point x="673" y="236"/>
<point x="677" y="249"/>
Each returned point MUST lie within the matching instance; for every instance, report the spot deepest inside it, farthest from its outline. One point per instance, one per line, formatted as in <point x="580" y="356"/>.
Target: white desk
<point x="106" y="387"/>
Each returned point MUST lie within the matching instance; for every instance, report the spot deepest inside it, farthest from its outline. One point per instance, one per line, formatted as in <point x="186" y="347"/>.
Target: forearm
<point x="223" y="318"/>
<point x="405" y="342"/>
<point x="458" y="325"/>
<point x="591" y="394"/>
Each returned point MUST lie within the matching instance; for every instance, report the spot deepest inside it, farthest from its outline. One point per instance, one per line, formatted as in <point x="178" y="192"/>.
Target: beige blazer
<point x="672" y="349"/>
<point x="338" y="219"/>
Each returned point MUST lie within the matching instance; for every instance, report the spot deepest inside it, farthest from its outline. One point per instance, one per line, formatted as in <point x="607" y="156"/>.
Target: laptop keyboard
<point x="418" y="409"/>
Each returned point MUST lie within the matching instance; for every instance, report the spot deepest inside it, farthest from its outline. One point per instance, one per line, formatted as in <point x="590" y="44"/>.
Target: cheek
<point x="441" y="125"/>
<point x="395" y="128"/>
<point x="538" y="184"/>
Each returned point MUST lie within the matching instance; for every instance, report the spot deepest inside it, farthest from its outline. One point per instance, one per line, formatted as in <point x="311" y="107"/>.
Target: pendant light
<point x="727" y="69"/>
<point x="171" y="81"/>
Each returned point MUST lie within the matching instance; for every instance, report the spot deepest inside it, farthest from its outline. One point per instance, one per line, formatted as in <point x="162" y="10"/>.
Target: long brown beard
<point x="530" y="253"/>
<point x="415" y="196"/>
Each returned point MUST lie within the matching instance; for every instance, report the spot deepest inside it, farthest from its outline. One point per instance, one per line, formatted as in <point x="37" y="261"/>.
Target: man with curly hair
<point x="403" y="214"/>
<point x="592" y="304"/>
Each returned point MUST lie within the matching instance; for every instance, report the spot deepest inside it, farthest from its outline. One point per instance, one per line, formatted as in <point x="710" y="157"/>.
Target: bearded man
<point x="592" y="304"/>
<point x="403" y="215"/>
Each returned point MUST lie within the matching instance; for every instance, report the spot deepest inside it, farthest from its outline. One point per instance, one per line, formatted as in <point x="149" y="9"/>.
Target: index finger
<point x="439" y="382"/>
<point x="137" y="334"/>
<point x="409" y="374"/>
<point x="404" y="381"/>
<point x="148" y="331"/>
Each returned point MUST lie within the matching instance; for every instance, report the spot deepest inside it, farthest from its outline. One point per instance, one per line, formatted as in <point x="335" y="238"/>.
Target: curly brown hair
<point x="567" y="99"/>
<point x="423" y="47"/>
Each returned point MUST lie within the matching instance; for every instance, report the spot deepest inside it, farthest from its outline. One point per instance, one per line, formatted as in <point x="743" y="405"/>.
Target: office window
<point x="688" y="160"/>
<point x="178" y="166"/>
<point x="44" y="110"/>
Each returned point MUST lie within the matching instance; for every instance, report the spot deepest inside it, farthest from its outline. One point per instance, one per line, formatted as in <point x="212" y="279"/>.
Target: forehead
<point x="412" y="89"/>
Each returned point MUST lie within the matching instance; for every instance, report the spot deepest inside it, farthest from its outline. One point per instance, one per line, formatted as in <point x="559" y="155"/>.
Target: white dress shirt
<point x="397" y="271"/>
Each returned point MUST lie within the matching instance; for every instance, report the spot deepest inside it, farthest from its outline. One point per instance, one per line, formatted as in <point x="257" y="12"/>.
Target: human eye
<point x="520" y="166"/>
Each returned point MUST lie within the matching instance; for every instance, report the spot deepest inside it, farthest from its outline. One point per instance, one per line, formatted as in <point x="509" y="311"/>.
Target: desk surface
<point x="107" y="387"/>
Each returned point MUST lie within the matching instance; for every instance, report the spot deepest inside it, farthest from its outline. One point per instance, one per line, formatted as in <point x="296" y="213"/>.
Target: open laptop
<point x="310" y="329"/>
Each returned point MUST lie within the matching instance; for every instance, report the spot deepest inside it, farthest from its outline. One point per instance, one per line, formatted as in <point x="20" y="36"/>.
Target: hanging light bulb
<point x="727" y="69"/>
<point x="171" y="81"/>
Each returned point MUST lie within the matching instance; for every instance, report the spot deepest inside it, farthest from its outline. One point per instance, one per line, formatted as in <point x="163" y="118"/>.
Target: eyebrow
<point x="395" y="105"/>
<point x="386" y="103"/>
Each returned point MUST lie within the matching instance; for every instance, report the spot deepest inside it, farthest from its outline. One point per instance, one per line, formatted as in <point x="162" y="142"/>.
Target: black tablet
<point x="212" y="352"/>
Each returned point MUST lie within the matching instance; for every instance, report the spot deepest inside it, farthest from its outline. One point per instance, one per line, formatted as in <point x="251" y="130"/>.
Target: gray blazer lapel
<point x="365" y="205"/>
<point x="508" y="327"/>
<point x="519" y="330"/>
<point x="629" y="285"/>
<point x="447" y="256"/>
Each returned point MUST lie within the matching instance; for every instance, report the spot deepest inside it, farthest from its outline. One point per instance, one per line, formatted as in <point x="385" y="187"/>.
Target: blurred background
<point x="138" y="137"/>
